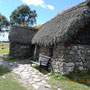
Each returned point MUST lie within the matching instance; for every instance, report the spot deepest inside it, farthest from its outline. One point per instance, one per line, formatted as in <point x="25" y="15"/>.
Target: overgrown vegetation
<point x="32" y="28"/>
<point x="7" y="82"/>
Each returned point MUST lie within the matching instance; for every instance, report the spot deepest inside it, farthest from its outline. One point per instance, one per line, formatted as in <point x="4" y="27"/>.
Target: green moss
<point x="32" y="28"/>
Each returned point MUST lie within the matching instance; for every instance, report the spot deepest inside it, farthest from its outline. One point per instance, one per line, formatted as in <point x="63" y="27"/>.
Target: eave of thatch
<point x="21" y="34"/>
<point x="62" y="27"/>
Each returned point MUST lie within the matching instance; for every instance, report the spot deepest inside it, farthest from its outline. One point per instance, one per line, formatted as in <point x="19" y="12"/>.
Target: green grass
<point x="2" y="51"/>
<point x="3" y="71"/>
<point x="68" y="82"/>
<point x="8" y="83"/>
<point x="4" y="48"/>
<point x="6" y="58"/>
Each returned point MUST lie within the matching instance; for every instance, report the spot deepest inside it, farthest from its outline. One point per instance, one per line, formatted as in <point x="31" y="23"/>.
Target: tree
<point x="4" y="23"/>
<point x="23" y="15"/>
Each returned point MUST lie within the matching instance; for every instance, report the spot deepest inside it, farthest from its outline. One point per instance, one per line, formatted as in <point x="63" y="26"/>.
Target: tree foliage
<point x="23" y="15"/>
<point x="4" y="23"/>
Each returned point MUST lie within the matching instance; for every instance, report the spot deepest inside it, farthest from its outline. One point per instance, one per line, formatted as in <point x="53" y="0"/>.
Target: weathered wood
<point x="43" y="61"/>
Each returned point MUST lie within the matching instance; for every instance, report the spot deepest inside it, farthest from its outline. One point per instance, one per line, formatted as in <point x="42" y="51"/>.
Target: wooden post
<point x="40" y="65"/>
<point x="35" y="51"/>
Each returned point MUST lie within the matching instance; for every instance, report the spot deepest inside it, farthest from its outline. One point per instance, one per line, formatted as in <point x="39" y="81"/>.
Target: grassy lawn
<point x="73" y="81"/>
<point x="68" y="83"/>
<point x="4" y="48"/>
<point x="7" y="82"/>
<point x="4" y="51"/>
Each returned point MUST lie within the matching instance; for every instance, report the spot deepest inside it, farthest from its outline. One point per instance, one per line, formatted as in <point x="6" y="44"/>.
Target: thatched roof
<point x="62" y="27"/>
<point x="21" y="34"/>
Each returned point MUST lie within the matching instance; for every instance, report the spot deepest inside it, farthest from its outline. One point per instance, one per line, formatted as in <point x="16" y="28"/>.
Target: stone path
<point x="28" y="74"/>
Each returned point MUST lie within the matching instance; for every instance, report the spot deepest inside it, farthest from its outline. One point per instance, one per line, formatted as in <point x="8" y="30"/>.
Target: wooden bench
<point x="43" y="61"/>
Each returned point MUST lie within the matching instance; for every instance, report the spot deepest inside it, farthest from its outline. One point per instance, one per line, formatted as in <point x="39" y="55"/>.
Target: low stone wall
<point x="72" y="58"/>
<point x="21" y="50"/>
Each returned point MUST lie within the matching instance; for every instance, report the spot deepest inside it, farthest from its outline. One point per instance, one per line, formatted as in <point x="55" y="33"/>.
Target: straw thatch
<point x="21" y="34"/>
<point x="61" y="28"/>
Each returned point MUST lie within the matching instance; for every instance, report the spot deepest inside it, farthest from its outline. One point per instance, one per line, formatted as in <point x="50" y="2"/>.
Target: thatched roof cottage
<point x="20" y="41"/>
<point x="66" y="38"/>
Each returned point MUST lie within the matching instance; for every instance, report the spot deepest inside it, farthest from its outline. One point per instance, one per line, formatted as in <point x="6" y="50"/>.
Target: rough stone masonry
<point x="72" y="58"/>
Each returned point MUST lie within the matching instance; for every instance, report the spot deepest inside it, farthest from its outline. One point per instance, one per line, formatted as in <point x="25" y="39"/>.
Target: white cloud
<point x="43" y="5"/>
<point x="50" y="7"/>
<point x="38" y="3"/>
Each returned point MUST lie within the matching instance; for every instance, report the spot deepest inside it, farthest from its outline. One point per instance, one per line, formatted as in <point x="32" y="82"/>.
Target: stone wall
<point x="44" y="51"/>
<point x="21" y="50"/>
<point x="72" y="58"/>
